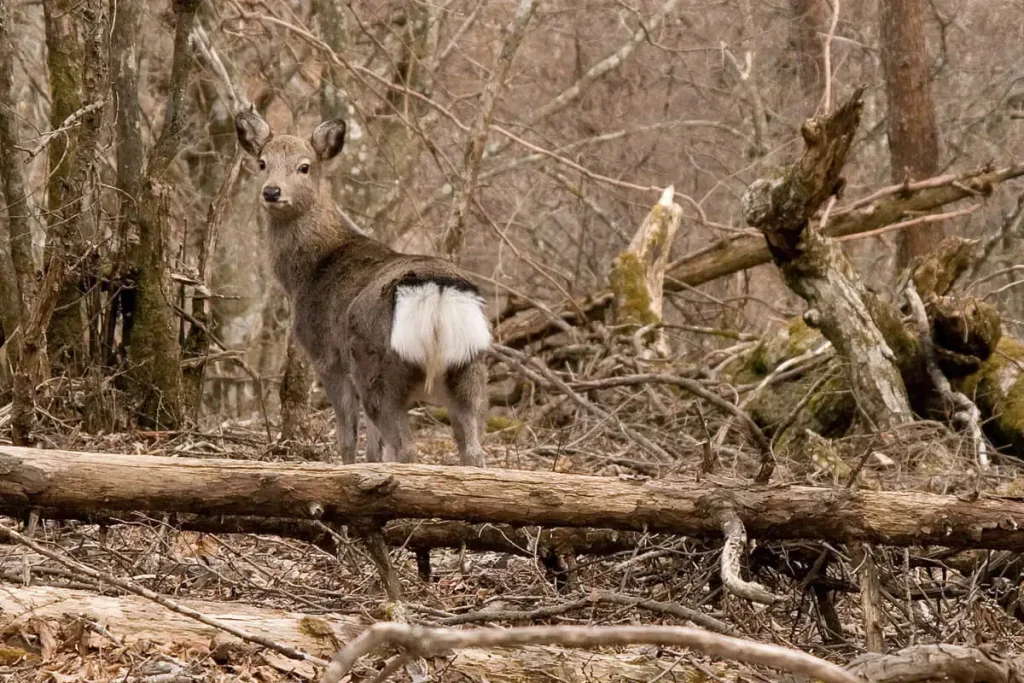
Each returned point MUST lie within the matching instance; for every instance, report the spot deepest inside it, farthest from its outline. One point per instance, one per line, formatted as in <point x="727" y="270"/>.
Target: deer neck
<point x="298" y="245"/>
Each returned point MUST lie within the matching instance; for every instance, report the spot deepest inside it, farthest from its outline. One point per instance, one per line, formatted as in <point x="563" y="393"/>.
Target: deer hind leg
<point x="372" y="443"/>
<point x="391" y="422"/>
<point x="342" y="394"/>
<point x="388" y="435"/>
<point x="466" y="394"/>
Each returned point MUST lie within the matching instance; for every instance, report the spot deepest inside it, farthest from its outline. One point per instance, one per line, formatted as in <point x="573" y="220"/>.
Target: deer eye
<point x="304" y="169"/>
<point x="263" y="164"/>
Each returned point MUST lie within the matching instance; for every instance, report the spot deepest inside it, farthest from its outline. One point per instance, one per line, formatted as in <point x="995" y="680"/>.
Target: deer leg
<point x="467" y="408"/>
<point x="392" y="423"/>
<point x="342" y="394"/>
<point x="372" y="443"/>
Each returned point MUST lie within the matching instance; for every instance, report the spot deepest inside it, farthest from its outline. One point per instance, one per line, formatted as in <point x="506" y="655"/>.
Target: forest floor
<point x="929" y="597"/>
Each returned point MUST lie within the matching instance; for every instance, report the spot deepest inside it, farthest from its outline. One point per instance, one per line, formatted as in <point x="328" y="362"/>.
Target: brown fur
<point x="341" y="285"/>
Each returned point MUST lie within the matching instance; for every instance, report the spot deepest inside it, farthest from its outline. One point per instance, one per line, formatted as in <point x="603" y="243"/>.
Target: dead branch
<point x="967" y="413"/>
<point x="454" y="232"/>
<point x="732" y="559"/>
<point x="429" y="641"/>
<point x="953" y="663"/>
<point x="816" y="268"/>
<point x="886" y="207"/>
<point x="131" y="587"/>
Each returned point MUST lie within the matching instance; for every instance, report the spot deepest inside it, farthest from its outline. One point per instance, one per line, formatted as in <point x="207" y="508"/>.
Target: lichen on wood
<point x="637" y="275"/>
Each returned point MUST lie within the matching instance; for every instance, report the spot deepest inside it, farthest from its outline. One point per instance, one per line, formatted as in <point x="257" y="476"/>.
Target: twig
<point x="732" y="555"/>
<point x="132" y="587"/>
<point x="967" y="413"/>
<point x="64" y="127"/>
<point x="920" y="220"/>
<point x="236" y="96"/>
<point x="429" y="641"/>
<point x="826" y="100"/>
<point x="543" y="375"/>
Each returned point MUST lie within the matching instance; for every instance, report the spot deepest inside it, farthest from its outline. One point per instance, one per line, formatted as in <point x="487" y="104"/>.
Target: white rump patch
<point x="438" y="327"/>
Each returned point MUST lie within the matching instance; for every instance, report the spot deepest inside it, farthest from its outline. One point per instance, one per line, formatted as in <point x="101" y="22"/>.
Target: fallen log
<point x="136" y="621"/>
<point x="79" y="483"/>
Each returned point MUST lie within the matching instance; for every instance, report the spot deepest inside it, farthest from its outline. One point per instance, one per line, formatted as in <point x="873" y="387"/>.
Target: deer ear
<point x="328" y="138"/>
<point x="253" y="132"/>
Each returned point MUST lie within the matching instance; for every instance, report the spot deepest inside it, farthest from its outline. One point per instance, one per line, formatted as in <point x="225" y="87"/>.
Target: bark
<point x="728" y="256"/>
<point x="953" y="663"/>
<point x="808" y="16"/>
<point x="816" y="268"/>
<point x="80" y="483"/>
<point x="153" y="350"/>
<point x="65" y="20"/>
<point x="870" y="598"/>
<point x="200" y="334"/>
<point x="913" y="131"/>
<point x="28" y="373"/>
<point x="137" y="621"/>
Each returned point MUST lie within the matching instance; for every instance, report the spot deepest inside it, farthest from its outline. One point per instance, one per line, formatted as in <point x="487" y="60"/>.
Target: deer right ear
<point x="253" y="132"/>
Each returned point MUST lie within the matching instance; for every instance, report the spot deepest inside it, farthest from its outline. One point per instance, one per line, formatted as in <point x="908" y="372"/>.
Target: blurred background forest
<point x="123" y="113"/>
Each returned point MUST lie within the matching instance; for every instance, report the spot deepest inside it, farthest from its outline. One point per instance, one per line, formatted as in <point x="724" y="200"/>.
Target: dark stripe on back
<point x="414" y="279"/>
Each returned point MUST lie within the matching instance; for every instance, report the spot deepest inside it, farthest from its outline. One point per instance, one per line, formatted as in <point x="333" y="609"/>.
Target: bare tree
<point x="808" y="19"/>
<point x="153" y="349"/>
<point x="913" y="130"/>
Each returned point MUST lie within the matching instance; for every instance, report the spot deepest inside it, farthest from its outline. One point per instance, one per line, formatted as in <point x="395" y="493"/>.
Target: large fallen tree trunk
<point x="79" y="483"/>
<point x="136" y="622"/>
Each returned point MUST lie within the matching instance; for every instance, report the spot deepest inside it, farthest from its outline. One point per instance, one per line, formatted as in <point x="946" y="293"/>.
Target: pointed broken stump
<point x="638" y="274"/>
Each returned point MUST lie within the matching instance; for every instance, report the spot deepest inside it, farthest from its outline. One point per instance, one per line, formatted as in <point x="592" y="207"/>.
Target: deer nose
<point x="271" y="193"/>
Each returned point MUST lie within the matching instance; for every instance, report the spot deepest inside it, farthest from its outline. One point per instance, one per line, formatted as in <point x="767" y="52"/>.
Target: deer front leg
<point x="372" y="443"/>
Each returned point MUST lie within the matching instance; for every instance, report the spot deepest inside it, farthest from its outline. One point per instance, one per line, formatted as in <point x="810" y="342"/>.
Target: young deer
<point x="385" y="327"/>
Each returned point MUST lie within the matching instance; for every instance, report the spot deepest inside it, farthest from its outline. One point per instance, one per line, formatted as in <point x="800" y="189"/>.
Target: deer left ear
<point x="253" y="132"/>
<point x="328" y="138"/>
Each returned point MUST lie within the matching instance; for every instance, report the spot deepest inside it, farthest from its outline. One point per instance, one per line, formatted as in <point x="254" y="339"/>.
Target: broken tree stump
<point x="638" y="274"/>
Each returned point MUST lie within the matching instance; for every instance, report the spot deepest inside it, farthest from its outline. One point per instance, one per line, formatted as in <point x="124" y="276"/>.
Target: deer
<point x="382" y="329"/>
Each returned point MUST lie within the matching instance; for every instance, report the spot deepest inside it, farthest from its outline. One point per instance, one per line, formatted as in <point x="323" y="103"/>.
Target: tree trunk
<point x="638" y="274"/>
<point x="153" y="350"/>
<point x="137" y="620"/>
<point x="816" y="268"/>
<point x="65" y="55"/>
<point x="81" y="483"/>
<point x="28" y="373"/>
<point x="294" y="393"/>
<point x="913" y="131"/>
